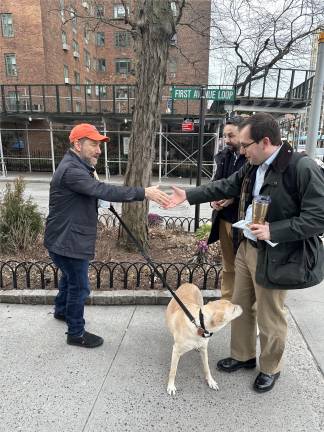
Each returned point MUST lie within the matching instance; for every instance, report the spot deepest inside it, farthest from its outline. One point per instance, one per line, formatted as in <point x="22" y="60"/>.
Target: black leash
<point x="201" y="328"/>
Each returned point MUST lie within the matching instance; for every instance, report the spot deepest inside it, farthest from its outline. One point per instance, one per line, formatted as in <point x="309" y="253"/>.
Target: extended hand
<point x="219" y="205"/>
<point x="178" y="197"/>
<point x="262" y="232"/>
<point x="155" y="194"/>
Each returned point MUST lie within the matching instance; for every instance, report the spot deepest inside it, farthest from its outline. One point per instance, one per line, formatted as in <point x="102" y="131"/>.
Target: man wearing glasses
<point x="264" y="272"/>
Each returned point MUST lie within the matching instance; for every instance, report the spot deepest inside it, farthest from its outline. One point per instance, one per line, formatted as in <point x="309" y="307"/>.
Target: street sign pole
<point x="315" y="111"/>
<point x="202" y="112"/>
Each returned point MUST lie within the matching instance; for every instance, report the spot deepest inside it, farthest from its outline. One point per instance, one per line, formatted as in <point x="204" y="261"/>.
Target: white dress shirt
<point x="259" y="179"/>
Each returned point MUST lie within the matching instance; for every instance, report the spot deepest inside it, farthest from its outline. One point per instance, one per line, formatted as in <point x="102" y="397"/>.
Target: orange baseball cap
<point x="86" y="130"/>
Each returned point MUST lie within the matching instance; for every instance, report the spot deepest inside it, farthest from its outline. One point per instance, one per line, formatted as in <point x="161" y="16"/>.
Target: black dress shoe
<point x="265" y="382"/>
<point x="87" y="340"/>
<point x="231" y="365"/>
<point x="59" y="317"/>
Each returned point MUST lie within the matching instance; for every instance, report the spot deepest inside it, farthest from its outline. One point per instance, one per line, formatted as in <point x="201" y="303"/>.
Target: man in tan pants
<point x="228" y="161"/>
<point x="283" y="253"/>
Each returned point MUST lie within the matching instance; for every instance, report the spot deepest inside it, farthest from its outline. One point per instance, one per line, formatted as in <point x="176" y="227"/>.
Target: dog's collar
<point x="202" y="331"/>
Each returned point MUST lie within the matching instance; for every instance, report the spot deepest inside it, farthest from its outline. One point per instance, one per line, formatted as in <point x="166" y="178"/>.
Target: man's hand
<point x="178" y="197"/>
<point x="262" y="232"/>
<point x="155" y="194"/>
<point x="219" y="205"/>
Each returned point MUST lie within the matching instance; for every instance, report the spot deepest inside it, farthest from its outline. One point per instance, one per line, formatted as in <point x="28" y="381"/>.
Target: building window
<point x="62" y="10"/>
<point x="87" y="59"/>
<point x="101" y="65"/>
<point x="100" y="39"/>
<point x="11" y="66"/>
<point x="64" y="38"/>
<point x="88" y="87"/>
<point x="78" y="107"/>
<point x="7" y="25"/>
<point x="122" y="39"/>
<point x="77" y="80"/>
<point x="86" y="34"/>
<point x="66" y="71"/>
<point x="123" y="66"/>
<point x="100" y="90"/>
<point x="75" y="49"/>
<point x="172" y="65"/>
<point x="99" y="11"/>
<point x="13" y="100"/>
<point x="119" y="11"/>
<point x="124" y="92"/>
<point x="174" y="40"/>
<point x="74" y="19"/>
<point x="174" y="8"/>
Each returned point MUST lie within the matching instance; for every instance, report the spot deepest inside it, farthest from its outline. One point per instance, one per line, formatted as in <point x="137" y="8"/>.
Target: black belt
<point x="253" y="243"/>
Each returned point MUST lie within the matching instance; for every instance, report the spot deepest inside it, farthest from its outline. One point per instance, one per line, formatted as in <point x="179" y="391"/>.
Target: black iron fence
<point x="110" y="275"/>
<point x="169" y="222"/>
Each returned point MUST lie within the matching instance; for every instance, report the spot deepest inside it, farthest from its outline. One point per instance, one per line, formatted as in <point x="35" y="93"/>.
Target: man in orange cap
<point x="71" y="225"/>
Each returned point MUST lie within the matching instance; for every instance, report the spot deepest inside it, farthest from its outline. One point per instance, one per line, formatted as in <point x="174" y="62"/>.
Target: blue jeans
<point x="73" y="291"/>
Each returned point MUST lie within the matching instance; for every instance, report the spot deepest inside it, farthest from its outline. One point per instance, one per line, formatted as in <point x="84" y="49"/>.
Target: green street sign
<point x="218" y="94"/>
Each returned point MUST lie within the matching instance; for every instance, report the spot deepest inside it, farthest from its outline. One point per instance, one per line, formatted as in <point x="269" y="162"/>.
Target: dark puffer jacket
<point x="296" y="220"/>
<point x="71" y="225"/>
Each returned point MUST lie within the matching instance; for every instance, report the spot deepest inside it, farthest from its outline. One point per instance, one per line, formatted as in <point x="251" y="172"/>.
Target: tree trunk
<point x="152" y="27"/>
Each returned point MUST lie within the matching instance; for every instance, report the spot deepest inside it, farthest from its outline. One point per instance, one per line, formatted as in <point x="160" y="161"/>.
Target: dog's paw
<point x="212" y="383"/>
<point x="171" y="389"/>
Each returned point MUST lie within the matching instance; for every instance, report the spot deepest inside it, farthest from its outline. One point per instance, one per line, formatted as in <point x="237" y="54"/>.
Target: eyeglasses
<point x="246" y="145"/>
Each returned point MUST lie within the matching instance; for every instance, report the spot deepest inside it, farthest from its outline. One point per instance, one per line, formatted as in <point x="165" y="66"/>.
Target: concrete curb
<point x="98" y="298"/>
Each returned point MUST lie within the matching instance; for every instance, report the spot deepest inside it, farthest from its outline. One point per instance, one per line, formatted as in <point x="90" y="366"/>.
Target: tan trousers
<point x="269" y="313"/>
<point x="228" y="258"/>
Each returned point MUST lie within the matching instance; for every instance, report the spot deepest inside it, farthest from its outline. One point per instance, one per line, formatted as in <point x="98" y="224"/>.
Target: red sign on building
<point x="187" y="126"/>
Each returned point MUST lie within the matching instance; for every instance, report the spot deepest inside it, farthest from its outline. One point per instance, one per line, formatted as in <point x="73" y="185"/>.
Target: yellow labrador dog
<point x="215" y="315"/>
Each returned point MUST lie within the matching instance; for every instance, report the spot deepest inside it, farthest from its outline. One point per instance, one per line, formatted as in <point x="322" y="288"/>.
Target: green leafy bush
<point x="203" y="231"/>
<point x="20" y="220"/>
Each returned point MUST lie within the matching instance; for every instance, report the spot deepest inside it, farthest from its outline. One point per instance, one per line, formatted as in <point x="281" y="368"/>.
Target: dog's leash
<point x="200" y="328"/>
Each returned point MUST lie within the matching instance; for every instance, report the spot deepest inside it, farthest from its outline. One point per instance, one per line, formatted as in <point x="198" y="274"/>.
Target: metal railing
<point x="110" y="275"/>
<point x="83" y="99"/>
<point x="275" y="83"/>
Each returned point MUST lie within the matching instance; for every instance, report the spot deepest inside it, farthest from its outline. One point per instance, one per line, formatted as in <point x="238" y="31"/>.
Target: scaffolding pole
<point x="3" y="166"/>
<point x="28" y="149"/>
<point x="52" y="145"/>
<point x="105" y="150"/>
<point x="160" y="153"/>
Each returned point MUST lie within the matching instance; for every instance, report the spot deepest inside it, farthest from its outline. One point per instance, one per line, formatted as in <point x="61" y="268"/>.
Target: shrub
<point x="154" y="219"/>
<point x="20" y="220"/>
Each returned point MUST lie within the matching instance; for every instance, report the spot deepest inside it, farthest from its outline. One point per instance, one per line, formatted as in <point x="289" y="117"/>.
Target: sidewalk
<point x="48" y="386"/>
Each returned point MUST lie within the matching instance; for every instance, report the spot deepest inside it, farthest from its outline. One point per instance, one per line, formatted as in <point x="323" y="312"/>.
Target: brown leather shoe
<point x="265" y="382"/>
<point x="231" y="365"/>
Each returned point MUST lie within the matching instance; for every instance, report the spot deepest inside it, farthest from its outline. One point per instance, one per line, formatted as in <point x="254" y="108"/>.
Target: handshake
<point x="166" y="201"/>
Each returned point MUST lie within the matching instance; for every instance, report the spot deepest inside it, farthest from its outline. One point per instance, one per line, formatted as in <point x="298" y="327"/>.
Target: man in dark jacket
<point x="264" y="272"/>
<point x="225" y="213"/>
<point x="71" y="225"/>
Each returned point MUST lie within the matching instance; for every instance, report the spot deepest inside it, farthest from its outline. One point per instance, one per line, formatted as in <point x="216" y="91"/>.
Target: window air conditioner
<point x="66" y="47"/>
<point x="67" y="80"/>
<point x="76" y="54"/>
<point x="85" y="5"/>
<point x="89" y="91"/>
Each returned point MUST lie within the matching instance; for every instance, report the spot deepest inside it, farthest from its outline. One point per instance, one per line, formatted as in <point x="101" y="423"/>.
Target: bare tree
<point x="259" y="35"/>
<point x="152" y="23"/>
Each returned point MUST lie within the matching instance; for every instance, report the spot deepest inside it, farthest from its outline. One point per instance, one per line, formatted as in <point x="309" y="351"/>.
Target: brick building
<point x="46" y="43"/>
